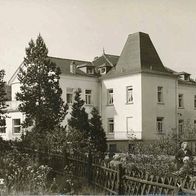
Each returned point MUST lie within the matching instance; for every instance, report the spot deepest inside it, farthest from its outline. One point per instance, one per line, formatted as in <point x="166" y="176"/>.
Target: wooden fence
<point x="119" y="180"/>
<point x="126" y="181"/>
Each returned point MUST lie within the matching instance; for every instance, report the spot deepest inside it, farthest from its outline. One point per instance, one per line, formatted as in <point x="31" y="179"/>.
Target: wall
<point x="188" y="112"/>
<point x="9" y="129"/>
<point x="82" y="83"/>
<point x="151" y="109"/>
<point x="65" y="82"/>
<point x="121" y="110"/>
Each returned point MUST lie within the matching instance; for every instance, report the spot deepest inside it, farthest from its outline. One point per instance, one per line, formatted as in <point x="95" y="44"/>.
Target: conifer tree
<point x="40" y="93"/>
<point x="94" y="138"/>
<point x="97" y="133"/>
<point x="2" y="99"/>
<point x="79" y="117"/>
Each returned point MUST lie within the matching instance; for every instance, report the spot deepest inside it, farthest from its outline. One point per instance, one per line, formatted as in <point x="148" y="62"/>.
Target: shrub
<point x="22" y="174"/>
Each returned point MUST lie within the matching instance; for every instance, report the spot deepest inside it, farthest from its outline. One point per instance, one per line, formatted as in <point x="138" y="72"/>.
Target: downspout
<point x="176" y="111"/>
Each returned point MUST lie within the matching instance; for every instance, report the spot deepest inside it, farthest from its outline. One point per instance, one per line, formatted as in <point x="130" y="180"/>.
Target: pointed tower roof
<point x="139" y="54"/>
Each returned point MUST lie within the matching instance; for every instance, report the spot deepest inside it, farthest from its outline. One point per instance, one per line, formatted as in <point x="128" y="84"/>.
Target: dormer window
<point x="89" y="70"/>
<point x="102" y="70"/>
<point x="184" y="76"/>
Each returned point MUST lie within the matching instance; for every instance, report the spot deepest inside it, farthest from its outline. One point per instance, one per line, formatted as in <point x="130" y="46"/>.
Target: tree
<point x="97" y="133"/>
<point x="2" y="99"/>
<point x="94" y="139"/>
<point x="40" y="93"/>
<point x="79" y="117"/>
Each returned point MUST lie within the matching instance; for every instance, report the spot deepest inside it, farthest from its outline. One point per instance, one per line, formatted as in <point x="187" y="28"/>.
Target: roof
<point x="107" y="59"/>
<point x="64" y="65"/>
<point x="189" y="82"/>
<point x="138" y="54"/>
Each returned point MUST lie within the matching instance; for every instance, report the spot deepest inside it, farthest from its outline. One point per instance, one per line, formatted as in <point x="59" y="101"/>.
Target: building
<point x="137" y="96"/>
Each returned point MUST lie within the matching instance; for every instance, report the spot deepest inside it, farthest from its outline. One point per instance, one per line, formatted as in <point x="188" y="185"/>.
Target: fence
<point x="117" y="180"/>
<point x="129" y="181"/>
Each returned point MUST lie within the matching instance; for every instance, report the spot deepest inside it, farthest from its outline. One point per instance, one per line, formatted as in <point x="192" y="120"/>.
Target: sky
<point x="80" y="29"/>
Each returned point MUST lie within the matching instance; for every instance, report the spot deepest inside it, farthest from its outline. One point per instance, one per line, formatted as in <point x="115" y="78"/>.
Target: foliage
<point x="75" y="141"/>
<point x="154" y="157"/>
<point x="88" y="134"/>
<point x="2" y="99"/>
<point x="69" y="184"/>
<point x="79" y="117"/>
<point x="50" y="141"/>
<point x="188" y="132"/>
<point x="22" y="174"/>
<point x="157" y="165"/>
<point x="162" y="146"/>
<point x="98" y="143"/>
<point x="40" y="91"/>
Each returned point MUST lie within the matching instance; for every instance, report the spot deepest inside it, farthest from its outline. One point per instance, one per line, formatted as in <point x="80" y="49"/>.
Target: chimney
<point x="73" y="67"/>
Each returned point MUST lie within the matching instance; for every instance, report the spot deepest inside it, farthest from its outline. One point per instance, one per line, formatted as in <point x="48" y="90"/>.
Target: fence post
<point x="120" y="179"/>
<point x="89" y="168"/>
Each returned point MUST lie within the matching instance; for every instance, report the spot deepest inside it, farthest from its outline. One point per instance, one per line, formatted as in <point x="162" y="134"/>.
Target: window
<point x="194" y="125"/>
<point x="110" y="97"/>
<point x="112" y="148"/>
<point x="160" y="94"/>
<point x="69" y="95"/>
<point x="89" y="70"/>
<point x="180" y="126"/>
<point x="195" y="101"/>
<point x="3" y="126"/>
<point x="103" y="70"/>
<point x="129" y="94"/>
<point x="180" y="101"/>
<point x="88" y="95"/>
<point x="110" y="125"/>
<point x="160" y="124"/>
<point x="16" y="125"/>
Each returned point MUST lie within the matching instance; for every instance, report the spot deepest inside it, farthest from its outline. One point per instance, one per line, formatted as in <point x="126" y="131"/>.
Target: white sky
<point x="79" y="29"/>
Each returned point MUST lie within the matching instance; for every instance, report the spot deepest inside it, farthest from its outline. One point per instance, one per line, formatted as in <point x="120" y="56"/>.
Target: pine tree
<point x="40" y="93"/>
<point x="97" y="134"/>
<point x="2" y="99"/>
<point x="79" y="117"/>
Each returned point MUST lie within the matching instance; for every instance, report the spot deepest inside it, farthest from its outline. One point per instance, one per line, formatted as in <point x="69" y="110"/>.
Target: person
<point x="186" y="169"/>
<point x="181" y="154"/>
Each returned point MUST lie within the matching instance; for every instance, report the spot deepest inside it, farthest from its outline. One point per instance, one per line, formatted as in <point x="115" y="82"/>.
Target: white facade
<point x="73" y="83"/>
<point x="121" y="111"/>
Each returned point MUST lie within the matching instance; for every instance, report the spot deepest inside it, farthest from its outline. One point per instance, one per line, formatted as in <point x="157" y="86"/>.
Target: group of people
<point x="184" y="160"/>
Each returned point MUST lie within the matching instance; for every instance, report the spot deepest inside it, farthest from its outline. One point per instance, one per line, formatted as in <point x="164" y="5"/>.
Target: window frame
<point x="194" y="124"/>
<point x="71" y="92"/>
<point x="127" y="94"/>
<point x="3" y="127"/>
<point x="110" y="96"/>
<point x="102" y="70"/>
<point x="110" y="123"/>
<point x="89" y="70"/>
<point x="87" y="96"/>
<point x="160" y="94"/>
<point x="180" y="126"/>
<point x="194" y="102"/>
<point x="158" y="121"/>
<point x="181" y="100"/>
<point x="16" y="126"/>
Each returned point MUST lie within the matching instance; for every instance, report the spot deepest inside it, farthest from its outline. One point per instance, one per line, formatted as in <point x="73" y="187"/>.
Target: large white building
<point x="137" y="96"/>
